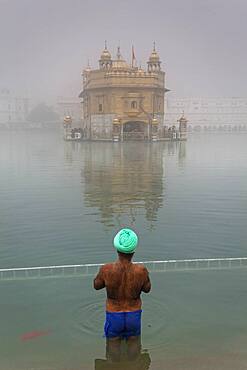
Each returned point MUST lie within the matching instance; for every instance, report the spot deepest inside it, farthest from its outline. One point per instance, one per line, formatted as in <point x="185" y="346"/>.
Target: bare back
<point x="124" y="282"/>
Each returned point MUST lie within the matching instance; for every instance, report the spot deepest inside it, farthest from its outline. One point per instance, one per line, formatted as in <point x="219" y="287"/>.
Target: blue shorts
<point x="123" y="324"/>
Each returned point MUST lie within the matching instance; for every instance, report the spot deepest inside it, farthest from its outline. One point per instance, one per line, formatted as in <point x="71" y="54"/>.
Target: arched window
<point x="133" y="104"/>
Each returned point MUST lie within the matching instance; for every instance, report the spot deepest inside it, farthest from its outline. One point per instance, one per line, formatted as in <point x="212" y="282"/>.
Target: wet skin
<point x="124" y="282"/>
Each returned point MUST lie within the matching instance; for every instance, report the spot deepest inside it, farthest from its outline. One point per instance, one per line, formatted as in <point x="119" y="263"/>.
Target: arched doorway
<point x="135" y="130"/>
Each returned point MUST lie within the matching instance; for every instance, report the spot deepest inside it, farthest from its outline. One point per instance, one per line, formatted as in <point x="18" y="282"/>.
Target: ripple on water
<point x="157" y="320"/>
<point x="88" y="319"/>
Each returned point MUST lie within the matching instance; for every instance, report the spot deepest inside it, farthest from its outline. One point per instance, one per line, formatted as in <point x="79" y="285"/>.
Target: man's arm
<point x="99" y="281"/>
<point x="147" y="283"/>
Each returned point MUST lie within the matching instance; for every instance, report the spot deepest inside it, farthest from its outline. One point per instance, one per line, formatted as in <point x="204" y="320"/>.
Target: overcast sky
<point x="46" y="43"/>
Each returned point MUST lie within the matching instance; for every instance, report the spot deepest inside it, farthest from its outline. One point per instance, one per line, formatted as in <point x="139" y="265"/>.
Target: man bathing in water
<point x="124" y="282"/>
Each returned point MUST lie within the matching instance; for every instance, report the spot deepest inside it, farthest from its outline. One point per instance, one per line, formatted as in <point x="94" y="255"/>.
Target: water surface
<point x="62" y="202"/>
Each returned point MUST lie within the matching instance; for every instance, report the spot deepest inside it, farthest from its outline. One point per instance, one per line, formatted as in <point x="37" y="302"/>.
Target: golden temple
<point x="122" y="101"/>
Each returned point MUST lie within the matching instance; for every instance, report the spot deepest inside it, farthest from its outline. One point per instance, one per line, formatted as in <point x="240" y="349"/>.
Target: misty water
<point x="62" y="202"/>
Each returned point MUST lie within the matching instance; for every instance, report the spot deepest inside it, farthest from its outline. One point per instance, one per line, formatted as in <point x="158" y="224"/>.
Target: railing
<point x="43" y="272"/>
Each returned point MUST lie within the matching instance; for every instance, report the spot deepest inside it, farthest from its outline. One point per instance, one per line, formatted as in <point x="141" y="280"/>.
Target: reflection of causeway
<point x="122" y="179"/>
<point x="141" y="363"/>
<point x="122" y="355"/>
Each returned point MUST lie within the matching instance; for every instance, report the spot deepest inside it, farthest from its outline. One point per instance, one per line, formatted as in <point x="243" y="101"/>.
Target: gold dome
<point x="154" y="57"/>
<point x="154" y="121"/>
<point x="67" y="119"/>
<point x="106" y="55"/>
<point x="116" y="121"/>
<point x="120" y="63"/>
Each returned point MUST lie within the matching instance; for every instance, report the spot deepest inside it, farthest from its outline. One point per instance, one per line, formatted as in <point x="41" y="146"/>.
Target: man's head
<point x="125" y="241"/>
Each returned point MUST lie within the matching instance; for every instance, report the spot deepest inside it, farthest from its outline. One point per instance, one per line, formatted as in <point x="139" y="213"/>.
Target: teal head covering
<point x="125" y="241"/>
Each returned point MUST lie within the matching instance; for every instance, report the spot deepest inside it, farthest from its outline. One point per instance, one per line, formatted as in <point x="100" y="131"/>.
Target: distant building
<point x="69" y="106"/>
<point x="13" y="109"/>
<point x="208" y="113"/>
<point x="122" y="101"/>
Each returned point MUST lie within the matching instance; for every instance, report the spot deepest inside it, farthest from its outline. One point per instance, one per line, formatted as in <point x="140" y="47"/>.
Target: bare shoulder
<point x="107" y="267"/>
<point x="141" y="268"/>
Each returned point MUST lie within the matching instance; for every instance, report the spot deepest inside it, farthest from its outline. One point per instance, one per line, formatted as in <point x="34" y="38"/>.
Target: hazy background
<point x="45" y="44"/>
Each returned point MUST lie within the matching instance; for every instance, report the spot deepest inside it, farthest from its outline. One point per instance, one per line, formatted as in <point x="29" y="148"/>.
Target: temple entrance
<point x="135" y="130"/>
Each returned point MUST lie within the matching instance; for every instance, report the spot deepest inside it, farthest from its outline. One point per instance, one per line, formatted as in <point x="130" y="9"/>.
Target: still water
<point x="62" y="202"/>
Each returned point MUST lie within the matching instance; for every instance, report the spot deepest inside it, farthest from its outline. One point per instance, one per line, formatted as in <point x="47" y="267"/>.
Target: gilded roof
<point x="120" y="63"/>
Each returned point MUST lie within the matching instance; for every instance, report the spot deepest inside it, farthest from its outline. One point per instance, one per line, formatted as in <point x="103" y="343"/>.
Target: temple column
<point x="116" y="130"/>
<point x="154" y="129"/>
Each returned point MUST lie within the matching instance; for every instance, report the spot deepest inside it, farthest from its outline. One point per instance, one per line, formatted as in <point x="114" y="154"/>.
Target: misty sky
<point x="46" y="43"/>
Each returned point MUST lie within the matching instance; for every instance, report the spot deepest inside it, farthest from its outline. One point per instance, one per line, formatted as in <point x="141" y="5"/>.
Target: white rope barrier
<point x="90" y="269"/>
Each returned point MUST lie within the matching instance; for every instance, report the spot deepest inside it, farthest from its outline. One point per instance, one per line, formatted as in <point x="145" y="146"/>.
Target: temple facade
<point x="122" y="101"/>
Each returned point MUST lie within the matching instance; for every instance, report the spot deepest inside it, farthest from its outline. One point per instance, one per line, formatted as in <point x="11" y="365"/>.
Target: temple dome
<point x="106" y="55"/>
<point x="154" y="57"/>
<point x="120" y="63"/>
<point x="105" y="61"/>
<point x="154" y="61"/>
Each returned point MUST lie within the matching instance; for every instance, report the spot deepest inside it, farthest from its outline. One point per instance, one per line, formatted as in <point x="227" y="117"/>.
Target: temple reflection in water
<point x="123" y="181"/>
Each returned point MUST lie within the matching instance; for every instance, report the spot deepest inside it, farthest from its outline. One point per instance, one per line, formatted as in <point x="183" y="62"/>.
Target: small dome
<point x="106" y="55"/>
<point x="182" y="118"/>
<point x="116" y="121"/>
<point x="154" y="121"/>
<point x="140" y="70"/>
<point x="154" y="57"/>
<point x="88" y="68"/>
<point x="67" y="119"/>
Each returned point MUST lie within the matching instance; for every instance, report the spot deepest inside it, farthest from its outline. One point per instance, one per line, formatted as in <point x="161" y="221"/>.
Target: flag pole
<point x="133" y="58"/>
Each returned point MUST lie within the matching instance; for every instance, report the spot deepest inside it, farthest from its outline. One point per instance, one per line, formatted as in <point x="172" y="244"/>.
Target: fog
<point x="45" y="44"/>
